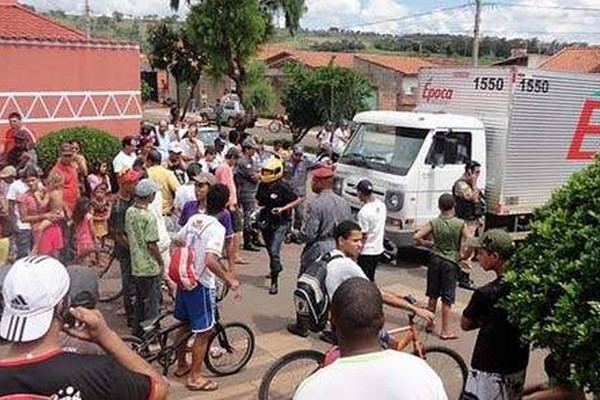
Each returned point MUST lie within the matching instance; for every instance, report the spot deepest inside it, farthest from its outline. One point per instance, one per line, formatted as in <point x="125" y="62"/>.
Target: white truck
<point x="530" y="130"/>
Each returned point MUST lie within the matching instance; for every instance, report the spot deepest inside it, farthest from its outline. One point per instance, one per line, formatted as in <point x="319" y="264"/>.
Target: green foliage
<point x="260" y="95"/>
<point x="555" y="296"/>
<point x="96" y="145"/>
<point x="146" y="91"/>
<point x="311" y="97"/>
<point x="343" y="45"/>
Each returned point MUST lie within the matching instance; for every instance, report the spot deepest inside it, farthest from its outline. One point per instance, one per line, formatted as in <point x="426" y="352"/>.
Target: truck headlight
<point x="338" y="185"/>
<point x="394" y="201"/>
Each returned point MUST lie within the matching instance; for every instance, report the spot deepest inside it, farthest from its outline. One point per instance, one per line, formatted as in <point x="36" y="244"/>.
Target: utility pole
<point x="476" y="33"/>
<point x="88" y="22"/>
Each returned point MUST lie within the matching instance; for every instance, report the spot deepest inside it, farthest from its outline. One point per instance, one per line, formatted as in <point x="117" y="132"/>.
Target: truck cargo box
<point x="541" y="126"/>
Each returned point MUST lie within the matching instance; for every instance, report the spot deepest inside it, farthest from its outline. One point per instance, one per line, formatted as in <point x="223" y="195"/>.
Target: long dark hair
<point x="82" y="207"/>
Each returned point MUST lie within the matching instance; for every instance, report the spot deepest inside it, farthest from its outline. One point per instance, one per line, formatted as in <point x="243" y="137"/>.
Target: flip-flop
<point x="208" y="386"/>
<point x="451" y="337"/>
<point x="179" y="374"/>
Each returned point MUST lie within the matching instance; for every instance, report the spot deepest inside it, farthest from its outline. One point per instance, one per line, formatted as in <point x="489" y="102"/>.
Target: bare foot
<point x="448" y="336"/>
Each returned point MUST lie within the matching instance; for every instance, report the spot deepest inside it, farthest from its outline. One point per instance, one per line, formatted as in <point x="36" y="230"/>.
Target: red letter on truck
<point x="584" y="128"/>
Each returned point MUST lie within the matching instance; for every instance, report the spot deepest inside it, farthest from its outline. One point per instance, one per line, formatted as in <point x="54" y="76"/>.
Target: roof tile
<point x="574" y="59"/>
<point x="20" y="23"/>
<point x="405" y="65"/>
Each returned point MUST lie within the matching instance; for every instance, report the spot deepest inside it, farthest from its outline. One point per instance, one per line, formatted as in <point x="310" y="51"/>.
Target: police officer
<point x="469" y="207"/>
<point x="323" y="213"/>
<point x="246" y="180"/>
<point x="296" y="169"/>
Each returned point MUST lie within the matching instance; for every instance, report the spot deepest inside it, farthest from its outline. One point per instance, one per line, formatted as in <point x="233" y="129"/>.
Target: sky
<point x="546" y="19"/>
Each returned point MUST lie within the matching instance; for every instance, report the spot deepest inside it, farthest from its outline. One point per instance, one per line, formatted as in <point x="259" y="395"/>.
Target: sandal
<point x="207" y="386"/>
<point x="450" y="337"/>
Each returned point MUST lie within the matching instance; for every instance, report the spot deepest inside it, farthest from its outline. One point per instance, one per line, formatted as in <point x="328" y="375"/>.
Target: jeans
<point x="23" y="241"/>
<point x="127" y="284"/>
<point x="147" y="300"/>
<point x="274" y="236"/>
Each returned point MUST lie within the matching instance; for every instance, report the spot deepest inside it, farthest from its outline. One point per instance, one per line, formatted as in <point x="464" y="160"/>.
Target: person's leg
<point x="198" y="353"/>
<point x="368" y="263"/>
<point x="433" y="291"/>
<point x="151" y="301"/>
<point x="275" y="254"/>
<point x="128" y="286"/>
<point x="464" y="278"/>
<point x="138" y="306"/>
<point x="448" y="288"/>
<point x="180" y="313"/>
<point x="24" y="240"/>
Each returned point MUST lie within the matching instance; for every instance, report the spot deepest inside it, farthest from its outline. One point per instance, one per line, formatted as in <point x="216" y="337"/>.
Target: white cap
<point x="175" y="147"/>
<point x="32" y="288"/>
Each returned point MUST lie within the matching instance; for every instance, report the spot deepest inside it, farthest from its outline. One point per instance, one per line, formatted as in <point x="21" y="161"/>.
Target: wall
<point x="55" y="86"/>
<point x="387" y="82"/>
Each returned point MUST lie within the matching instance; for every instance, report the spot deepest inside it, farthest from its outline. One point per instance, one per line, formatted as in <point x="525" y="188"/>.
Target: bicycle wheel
<point x="274" y="126"/>
<point x="287" y="373"/>
<point x="450" y="367"/>
<point x="109" y="284"/>
<point x="229" y="348"/>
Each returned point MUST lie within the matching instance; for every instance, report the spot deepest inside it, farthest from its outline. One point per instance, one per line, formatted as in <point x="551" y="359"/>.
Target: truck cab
<point x="411" y="158"/>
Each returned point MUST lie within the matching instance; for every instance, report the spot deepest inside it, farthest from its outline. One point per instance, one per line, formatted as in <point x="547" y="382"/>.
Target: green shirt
<point x="447" y="234"/>
<point x="141" y="228"/>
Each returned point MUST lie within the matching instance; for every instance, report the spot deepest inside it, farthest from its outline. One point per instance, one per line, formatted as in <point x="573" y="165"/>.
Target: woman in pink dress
<point x="84" y="226"/>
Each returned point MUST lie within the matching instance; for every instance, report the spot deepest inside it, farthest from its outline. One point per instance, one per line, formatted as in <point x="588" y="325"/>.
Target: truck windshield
<point x="384" y="148"/>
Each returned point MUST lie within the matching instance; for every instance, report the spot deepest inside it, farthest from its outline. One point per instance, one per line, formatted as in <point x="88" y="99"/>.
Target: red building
<point x="55" y="77"/>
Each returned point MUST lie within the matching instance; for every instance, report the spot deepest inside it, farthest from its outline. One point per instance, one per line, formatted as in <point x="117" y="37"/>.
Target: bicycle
<point x="230" y="345"/>
<point x="102" y="259"/>
<point x="285" y="375"/>
<point x="278" y="123"/>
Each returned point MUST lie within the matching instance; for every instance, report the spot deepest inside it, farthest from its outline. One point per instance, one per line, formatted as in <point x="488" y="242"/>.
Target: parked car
<point x="232" y="110"/>
<point x="207" y="135"/>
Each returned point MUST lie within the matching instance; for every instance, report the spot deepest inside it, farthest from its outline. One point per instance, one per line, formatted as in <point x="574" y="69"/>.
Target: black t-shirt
<point x="71" y="376"/>
<point x="498" y="348"/>
<point x="275" y="195"/>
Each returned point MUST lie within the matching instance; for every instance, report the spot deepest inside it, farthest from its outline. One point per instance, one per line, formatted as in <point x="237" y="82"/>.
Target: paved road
<point x="268" y="316"/>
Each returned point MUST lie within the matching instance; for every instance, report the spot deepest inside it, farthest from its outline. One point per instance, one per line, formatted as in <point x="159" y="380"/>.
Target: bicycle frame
<point x="411" y="336"/>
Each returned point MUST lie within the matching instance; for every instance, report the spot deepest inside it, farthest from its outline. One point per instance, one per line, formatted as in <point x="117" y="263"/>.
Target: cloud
<point x="128" y="7"/>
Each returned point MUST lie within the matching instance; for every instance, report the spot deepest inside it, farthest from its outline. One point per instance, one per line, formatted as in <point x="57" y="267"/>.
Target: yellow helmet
<point x="271" y="170"/>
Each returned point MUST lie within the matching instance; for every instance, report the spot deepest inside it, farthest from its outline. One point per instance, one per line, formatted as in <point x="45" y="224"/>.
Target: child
<point x="49" y="199"/>
<point x="442" y="272"/>
<point x="209" y="162"/>
<point x="100" y="210"/>
<point x="84" y="229"/>
<point x="99" y="175"/>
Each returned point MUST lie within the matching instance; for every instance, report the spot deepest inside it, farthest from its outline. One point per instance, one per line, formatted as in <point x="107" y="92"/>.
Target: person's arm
<point x="396" y="301"/>
<point x="155" y="253"/>
<point x="152" y="239"/>
<point x="466" y="250"/>
<point x="173" y="182"/>
<point x="211" y="261"/>
<point x="288" y="206"/>
<point x="96" y="330"/>
<point x="31" y="219"/>
<point x="466" y="192"/>
<point x="419" y="237"/>
<point x="474" y="313"/>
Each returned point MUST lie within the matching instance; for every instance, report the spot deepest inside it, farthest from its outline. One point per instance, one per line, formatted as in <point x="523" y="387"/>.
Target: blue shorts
<point x="197" y="307"/>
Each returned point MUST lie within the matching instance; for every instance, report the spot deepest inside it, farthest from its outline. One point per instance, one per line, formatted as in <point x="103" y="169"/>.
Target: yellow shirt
<point x="168" y="184"/>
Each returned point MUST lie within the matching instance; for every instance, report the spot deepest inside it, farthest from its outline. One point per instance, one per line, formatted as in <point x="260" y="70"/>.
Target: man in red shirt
<point x="68" y="169"/>
<point x="16" y="125"/>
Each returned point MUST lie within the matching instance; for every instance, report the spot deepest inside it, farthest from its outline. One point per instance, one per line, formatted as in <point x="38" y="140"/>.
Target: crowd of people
<point x="167" y="195"/>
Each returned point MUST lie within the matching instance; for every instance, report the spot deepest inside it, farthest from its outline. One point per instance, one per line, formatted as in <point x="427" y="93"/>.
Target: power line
<point x="407" y="17"/>
<point x="540" y="6"/>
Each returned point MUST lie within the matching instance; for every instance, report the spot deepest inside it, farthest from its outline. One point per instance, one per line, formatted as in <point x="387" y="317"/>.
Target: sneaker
<point x="273" y="289"/>
<point x="297" y="330"/>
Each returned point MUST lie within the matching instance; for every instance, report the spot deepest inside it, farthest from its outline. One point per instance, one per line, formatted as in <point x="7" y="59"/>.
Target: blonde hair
<point x="54" y="179"/>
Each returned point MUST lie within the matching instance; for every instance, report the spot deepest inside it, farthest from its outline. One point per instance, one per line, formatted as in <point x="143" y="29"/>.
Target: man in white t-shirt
<point x="126" y="157"/>
<point x="371" y="219"/>
<point x="22" y="239"/>
<point x="206" y="235"/>
<point x="187" y="191"/>
<point x="364" y="370"/>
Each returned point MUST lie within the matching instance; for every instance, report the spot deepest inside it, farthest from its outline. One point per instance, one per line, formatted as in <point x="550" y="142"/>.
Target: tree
<point x="555" y="280"/>
<point x="259" y="92"/>
<point x="171" y="49"/>
<point x="230" y="32"/>
<point x="312" y="97"/>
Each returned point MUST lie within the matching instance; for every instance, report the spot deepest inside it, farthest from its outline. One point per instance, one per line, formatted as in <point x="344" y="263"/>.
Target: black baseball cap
<point x="364" y="186"/>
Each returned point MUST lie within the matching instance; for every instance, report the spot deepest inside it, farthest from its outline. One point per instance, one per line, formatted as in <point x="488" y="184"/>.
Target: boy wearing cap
<point x="37" y="308"/>
<point x="371" y="219"/>
<point x="499" y="358"/>
<point x="146" y="261"/>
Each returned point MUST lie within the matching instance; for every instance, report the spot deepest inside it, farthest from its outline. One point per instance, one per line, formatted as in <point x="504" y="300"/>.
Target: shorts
<point x="237" y="220"/>
<point x="488" y="385"/>
<point x="442" y="275"/>
<point x="196" y="306"/>
<point x="51" y="240"/>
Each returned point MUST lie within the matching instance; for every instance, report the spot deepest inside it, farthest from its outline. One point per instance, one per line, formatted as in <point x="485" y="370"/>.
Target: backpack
<point x="311" y="300"/>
